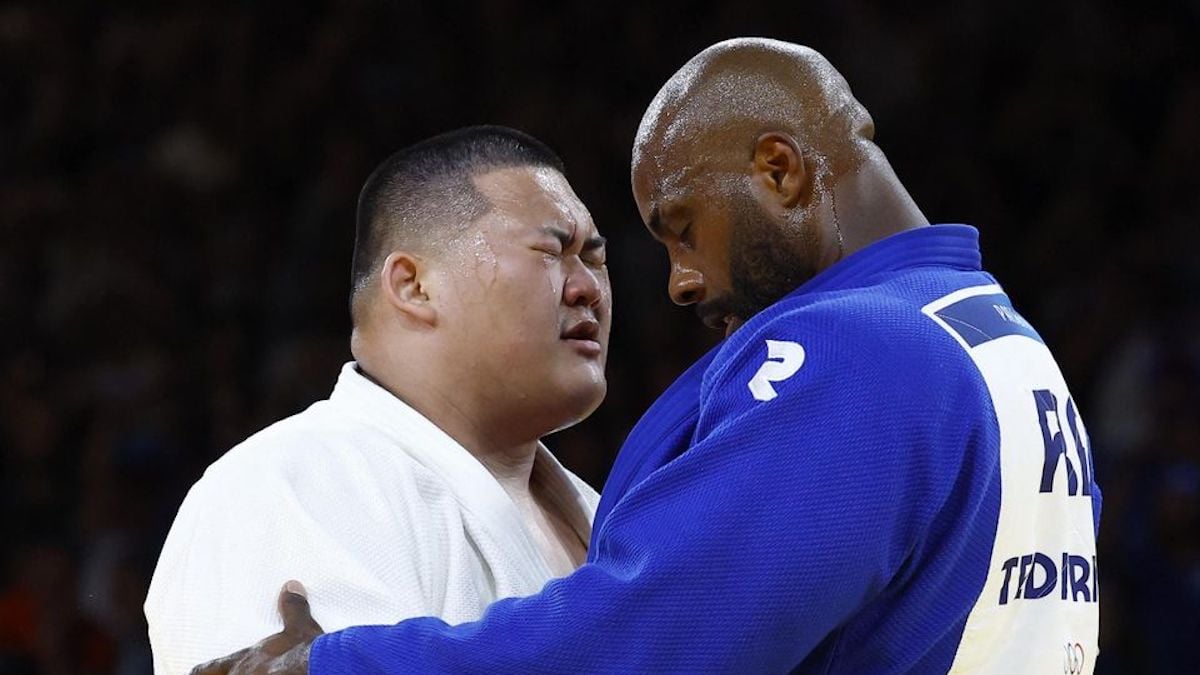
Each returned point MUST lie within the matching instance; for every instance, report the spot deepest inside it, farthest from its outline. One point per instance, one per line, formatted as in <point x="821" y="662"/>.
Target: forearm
<point x="589" y="622"/>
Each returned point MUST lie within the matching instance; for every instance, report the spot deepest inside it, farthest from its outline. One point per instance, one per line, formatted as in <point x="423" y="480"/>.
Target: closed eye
<point x="594" y="252"/>
<point x="596" y="258"/>
<point x="549" y="251"/>
<point x="554" y="241"/>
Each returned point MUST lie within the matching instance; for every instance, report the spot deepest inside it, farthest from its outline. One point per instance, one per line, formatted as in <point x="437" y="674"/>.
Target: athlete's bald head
<point x="755" y="166"/>
<point x="711" y="111"/>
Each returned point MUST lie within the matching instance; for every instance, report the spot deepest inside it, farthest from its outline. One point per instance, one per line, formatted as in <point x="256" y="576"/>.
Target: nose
<point x="583" y="286"/>
<point x="686" y="285"/>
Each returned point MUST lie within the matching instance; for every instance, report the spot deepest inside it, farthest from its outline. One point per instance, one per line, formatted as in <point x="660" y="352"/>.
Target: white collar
<point x="474" y="487"/>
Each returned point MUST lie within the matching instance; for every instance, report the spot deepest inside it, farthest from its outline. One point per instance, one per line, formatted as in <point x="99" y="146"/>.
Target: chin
<point x="591" y="397"/>
<point x="580" y="402"/>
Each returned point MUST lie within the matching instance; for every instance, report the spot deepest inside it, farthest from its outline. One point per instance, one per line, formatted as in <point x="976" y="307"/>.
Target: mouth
<point x="584" y="336"/>
<point x="716" y="317"/>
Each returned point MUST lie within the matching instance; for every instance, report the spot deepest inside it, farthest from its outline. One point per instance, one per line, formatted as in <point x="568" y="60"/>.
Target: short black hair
<point x="426" y="189"/>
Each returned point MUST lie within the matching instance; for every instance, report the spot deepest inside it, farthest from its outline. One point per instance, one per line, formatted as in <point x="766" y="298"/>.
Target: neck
<point x="871" y="204"/>
<point x="487" y="436"/>
<point x="512" y="469"/>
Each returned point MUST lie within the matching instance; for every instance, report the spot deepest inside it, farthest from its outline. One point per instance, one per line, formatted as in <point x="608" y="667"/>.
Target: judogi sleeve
<point x="741" y="555"/>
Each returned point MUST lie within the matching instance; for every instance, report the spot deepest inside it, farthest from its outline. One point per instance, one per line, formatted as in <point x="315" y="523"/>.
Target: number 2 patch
<point x="784" y="358"/>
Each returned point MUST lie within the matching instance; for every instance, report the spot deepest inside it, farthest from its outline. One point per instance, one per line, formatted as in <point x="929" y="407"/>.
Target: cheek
<point x="528" y="296"/>
<point x="541" y="285"/>
<point x="606" y="293"/>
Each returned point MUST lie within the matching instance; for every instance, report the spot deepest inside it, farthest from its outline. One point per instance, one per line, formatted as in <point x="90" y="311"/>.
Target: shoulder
<point x="866" y="373"/>
<point x="316" y="458"/>
<point x="860" y="388"/>
<point x="865" y="340"/>
<point x="312" y="489"/>
<point x="269" y="456"/>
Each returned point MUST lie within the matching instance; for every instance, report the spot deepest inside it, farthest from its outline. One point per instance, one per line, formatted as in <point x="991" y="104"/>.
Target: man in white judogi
<point x="481" y="309"/>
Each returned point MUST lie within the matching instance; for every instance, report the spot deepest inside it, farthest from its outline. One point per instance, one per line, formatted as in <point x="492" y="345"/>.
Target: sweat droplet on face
<point x="482" y="259"/>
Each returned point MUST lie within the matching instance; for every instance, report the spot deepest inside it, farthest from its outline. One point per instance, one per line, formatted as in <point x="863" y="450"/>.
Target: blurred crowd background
<point x="177" y="189"/>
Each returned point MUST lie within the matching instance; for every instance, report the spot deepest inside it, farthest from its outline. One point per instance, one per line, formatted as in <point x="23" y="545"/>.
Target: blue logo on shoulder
<point x="983" y="318"/>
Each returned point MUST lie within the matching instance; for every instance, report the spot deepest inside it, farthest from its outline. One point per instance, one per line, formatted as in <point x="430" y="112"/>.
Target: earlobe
<point x="779" y="167"/>
<point x="402" y="282"/>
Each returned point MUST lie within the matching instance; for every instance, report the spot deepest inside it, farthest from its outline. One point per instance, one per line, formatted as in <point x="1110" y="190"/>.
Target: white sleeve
<point x="241" y="534"/>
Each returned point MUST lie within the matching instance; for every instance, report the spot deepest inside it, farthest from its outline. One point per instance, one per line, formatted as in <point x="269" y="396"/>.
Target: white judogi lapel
<point x="492" y="514"/>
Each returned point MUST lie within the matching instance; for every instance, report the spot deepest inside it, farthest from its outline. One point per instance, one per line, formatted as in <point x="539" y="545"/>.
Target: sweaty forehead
<point x="680" y="172"/>
<point x="688" y="136"/>
<point x="537" y="195"/>
<point x="653" y="190"/>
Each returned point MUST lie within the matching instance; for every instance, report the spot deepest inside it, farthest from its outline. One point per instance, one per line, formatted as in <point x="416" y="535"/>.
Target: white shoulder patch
<point x="784" y="358"/>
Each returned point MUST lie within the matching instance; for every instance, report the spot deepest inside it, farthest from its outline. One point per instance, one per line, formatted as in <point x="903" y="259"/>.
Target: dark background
<point x="177" y="186"/>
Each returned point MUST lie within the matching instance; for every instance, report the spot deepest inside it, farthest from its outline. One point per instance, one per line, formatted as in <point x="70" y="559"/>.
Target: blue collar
<point x="943" y="245"/>
<point x="953" y="246"/>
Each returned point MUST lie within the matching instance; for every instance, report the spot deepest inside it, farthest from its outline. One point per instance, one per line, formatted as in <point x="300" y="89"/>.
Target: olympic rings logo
<point x="1073" y="658"/>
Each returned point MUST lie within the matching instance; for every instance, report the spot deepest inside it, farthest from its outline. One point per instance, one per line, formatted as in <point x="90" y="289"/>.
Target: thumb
<point x="295" y="612"/>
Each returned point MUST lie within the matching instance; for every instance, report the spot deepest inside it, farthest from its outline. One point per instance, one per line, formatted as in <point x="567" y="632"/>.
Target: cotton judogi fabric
<point x="883" y="472"/>
<point x="380" y="514"/>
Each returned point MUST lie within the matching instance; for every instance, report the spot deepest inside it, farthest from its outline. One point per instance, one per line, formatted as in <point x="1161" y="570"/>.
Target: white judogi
<point x="380" y="513"/>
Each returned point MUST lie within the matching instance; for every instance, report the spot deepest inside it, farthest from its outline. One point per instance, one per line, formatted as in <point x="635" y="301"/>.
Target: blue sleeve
<point x="742" y="554"/>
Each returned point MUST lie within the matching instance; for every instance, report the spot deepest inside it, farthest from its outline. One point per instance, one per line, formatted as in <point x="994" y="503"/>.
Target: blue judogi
<point x="883" y="472"/>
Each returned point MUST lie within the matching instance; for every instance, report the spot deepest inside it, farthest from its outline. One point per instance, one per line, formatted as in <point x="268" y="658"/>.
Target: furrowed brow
<point x="558" y="233"/>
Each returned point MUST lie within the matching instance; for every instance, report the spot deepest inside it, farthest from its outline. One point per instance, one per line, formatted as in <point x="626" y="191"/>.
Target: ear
<point x="402" y="285"/>
<point x="778" y="169"/>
